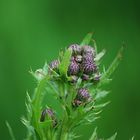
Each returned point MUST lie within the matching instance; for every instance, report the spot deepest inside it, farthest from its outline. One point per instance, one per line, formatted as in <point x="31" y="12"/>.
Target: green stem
<point x="63" y="132"/>
<point x="64" y="136"/>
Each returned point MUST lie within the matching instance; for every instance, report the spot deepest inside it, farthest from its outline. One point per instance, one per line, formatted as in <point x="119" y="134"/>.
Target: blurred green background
<point x="32" y="31"/>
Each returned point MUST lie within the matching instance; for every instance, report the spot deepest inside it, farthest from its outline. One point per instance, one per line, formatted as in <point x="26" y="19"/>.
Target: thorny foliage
<point x="68" y="93"/>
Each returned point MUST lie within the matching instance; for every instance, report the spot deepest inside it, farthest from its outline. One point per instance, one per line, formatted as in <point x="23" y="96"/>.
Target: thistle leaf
<point x="106" y="75"/>
<point x="113" y="137"/>
<point x="63" y="68"/>
<point x="36" y="104"/>
<point x="95" y="45"/>
<point x="114" y="64"/>
<point x="87" y="39"/>
<point x="94" y="135"/>
<point x="100" y="55"/>
<point x="133" y="138"/>
<point x="101" y="94"/>
<point x="101" y="105"/>
<point x="10" y="131"/>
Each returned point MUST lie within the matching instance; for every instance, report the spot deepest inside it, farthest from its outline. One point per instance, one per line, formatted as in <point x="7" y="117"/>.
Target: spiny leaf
<point x="133" y="138"/>
<point x="95" y="45"/>
<point x="45" y="68"/>
<point x="94" y="135"/>
<point x="63" y="67"/>
<point x="114" y="64"/>
<point x="106" y="75"/>
<point x="72" y="136"/>
<point x="100" y="55"/>
<point x="28" y="97"/>
<point x="10" y="131"/>
<point x="101" y="94"/>
<point x="36" y="104"/>
<point x="87" y="39"/>
<point x="113" y="137"/>
<point x="38" y="74"/>
<point x="101" y="105"/>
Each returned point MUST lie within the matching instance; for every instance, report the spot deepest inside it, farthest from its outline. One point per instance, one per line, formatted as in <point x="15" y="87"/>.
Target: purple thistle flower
<point x="82" y="98"/>
<point x="83" y="95"/>
<point x="89" y="67"/>
<point x="76" y="49"/>
<point x="73" y="68"/>
<point x="54" y="64"/>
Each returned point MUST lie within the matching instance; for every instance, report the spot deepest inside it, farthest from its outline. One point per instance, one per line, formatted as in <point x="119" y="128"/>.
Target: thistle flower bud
<point x="73" y="68"/>
<point x="77" y="103"/>
<point x="97" y="77"/>
<point x="85" y="77"/>
<point x="50" y="114"/>
<point x="83" y="95"/>
<point x="47" y="112"/>
<point x="88" y="67"/>
<point x="88" y="50"/>
<point x="54" y="64"/>
<point x="76" y="49"/>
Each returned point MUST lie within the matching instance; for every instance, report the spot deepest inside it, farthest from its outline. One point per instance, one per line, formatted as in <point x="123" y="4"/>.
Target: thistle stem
<point x="64" y="136"/>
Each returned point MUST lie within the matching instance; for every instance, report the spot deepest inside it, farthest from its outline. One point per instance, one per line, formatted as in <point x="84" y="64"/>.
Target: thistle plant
<point x="68" y="93"/>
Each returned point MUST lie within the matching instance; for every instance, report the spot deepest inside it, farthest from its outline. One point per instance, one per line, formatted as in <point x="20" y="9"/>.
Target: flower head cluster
<point x="82" y="62"/>
<point x="82" y="65"/>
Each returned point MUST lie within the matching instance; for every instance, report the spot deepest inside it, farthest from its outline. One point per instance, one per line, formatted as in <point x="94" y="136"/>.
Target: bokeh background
<point x="33" y="31"/>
